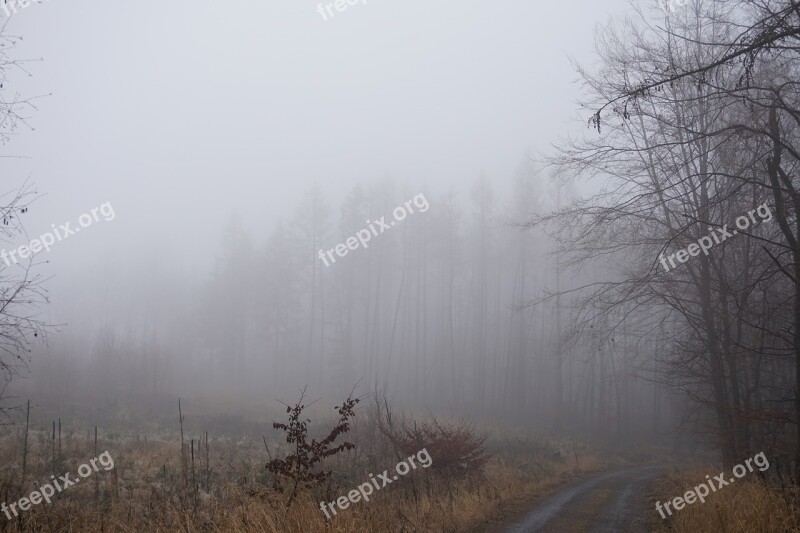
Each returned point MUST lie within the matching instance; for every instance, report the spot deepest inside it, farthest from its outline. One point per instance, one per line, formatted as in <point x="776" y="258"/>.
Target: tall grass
<point x="749" y="505"/>
<point x="147" y="490"/>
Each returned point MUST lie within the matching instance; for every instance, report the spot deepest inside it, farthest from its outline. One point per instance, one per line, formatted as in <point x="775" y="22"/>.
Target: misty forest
<point x="363" y="266"/>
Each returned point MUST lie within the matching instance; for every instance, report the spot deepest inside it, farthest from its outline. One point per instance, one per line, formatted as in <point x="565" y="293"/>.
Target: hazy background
<point x="180" y="113"/>
<point x="193" y="120"/>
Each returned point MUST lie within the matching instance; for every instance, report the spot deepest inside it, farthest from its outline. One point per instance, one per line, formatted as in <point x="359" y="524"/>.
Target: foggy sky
<point x="182" y="113"/>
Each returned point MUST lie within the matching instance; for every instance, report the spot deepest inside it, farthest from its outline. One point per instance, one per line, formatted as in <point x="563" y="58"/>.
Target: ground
<point x="613" y="501"/>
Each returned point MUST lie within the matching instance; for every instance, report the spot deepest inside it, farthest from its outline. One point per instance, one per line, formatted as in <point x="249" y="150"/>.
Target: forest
<point x="426" y="270"/>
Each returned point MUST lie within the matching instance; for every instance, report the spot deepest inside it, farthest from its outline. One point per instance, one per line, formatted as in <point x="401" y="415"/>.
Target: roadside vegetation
<point x="750" y="505"/>
<point x="221" y="483"/>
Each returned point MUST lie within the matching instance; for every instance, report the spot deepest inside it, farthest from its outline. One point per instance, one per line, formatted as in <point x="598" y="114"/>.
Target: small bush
<point x="299" y="466"/>
<point x="457" y="449"/>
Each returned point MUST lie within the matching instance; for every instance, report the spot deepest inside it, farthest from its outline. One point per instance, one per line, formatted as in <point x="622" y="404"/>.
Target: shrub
<point x="299" y="466"/>
<point x="457" y="449"/>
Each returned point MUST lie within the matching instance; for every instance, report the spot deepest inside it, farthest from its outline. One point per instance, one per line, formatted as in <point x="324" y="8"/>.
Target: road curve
<point x="614" y="501"/>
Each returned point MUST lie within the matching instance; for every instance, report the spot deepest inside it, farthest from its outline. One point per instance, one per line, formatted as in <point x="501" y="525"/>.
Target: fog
<point x="195" y="121"/>
<point x="460" y="212"/>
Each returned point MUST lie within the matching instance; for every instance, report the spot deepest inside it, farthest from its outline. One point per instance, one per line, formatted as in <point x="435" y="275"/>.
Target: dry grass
<point x="147" y="490"/>
<point x="747" y="506"/>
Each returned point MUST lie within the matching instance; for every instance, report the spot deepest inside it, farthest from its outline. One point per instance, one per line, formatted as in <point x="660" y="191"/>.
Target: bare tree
<point x="680" y="164"/>
<point x="21" y="295"/>
<point x="21" y="292"/>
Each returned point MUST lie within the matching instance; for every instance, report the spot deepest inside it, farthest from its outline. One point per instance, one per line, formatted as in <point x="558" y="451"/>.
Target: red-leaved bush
<point x="457" y="450"/>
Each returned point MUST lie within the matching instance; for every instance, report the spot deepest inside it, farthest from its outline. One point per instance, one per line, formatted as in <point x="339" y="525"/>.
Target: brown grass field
<point x="153" y="487"/>
<point x="226" y="487"/>
<point x="747" y="506"/>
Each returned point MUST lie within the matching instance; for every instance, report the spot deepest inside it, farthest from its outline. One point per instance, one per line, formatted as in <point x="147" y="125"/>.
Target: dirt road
<point x="614" y="501"/>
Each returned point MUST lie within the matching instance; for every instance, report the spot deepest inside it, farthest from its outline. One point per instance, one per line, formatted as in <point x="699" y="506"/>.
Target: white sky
<point x="180" y="112"/>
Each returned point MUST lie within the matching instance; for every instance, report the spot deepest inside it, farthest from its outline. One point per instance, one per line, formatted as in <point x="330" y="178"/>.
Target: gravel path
<point x="615" y="501"/>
